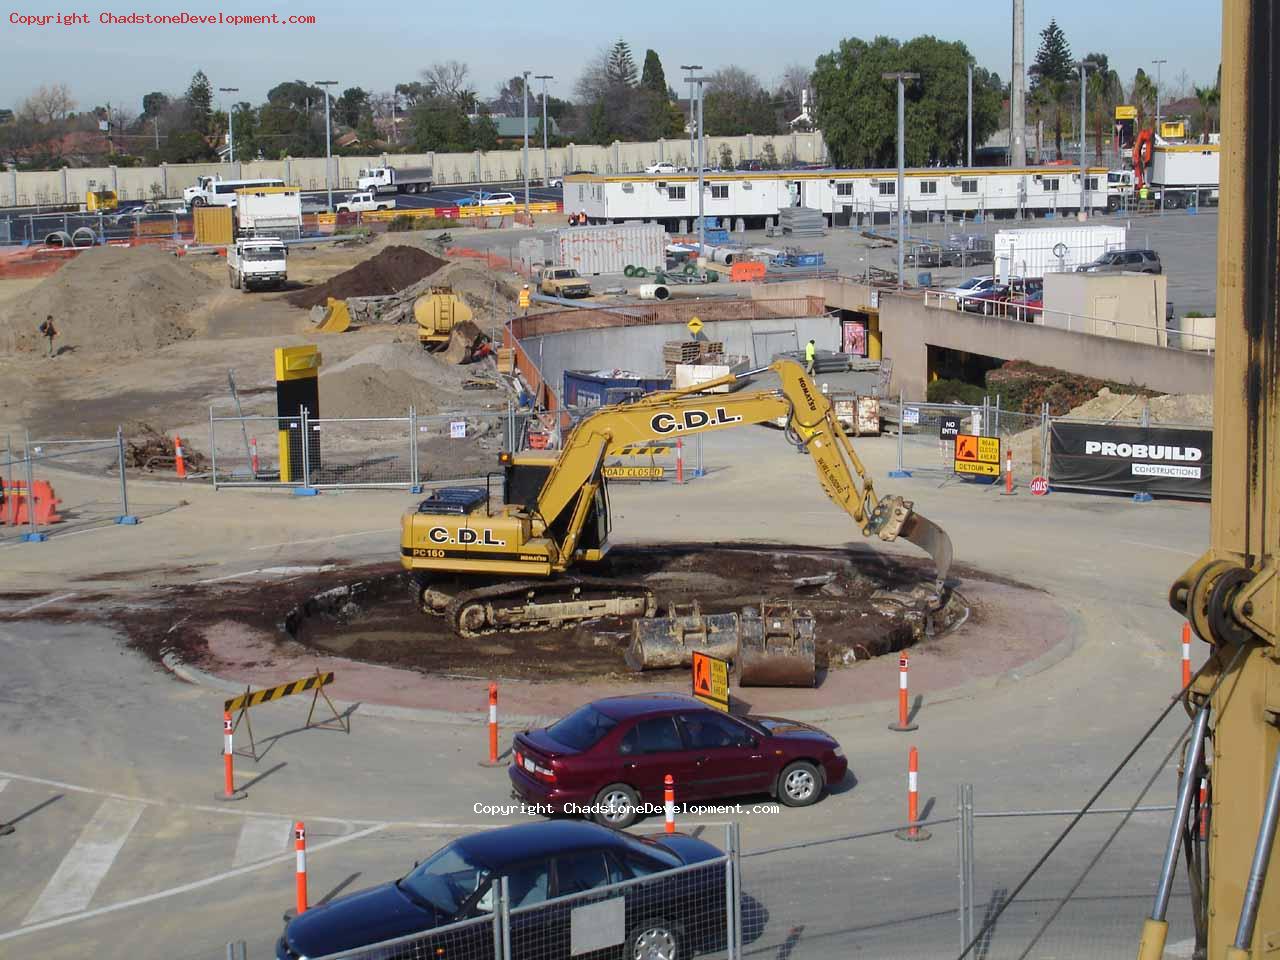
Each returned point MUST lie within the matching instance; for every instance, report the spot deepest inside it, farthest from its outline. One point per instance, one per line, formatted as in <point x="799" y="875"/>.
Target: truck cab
<point x="199" y="192"/>
<point x="364" y="202"/>
<point x="563" y="282"/>
<point x="257" y="263"/>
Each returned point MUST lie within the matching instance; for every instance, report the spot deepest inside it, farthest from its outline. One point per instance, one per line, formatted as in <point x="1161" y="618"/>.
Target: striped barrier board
<point x="252" y="698"/>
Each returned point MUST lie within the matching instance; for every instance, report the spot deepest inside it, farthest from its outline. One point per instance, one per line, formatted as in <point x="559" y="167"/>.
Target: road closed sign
<point x="977" y="456"/>
<point x="711" y="680"/>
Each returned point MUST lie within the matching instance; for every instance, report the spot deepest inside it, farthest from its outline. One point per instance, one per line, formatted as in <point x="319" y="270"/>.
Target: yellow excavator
<point x="1231" y="595"/>
<point x="511" y="567"/>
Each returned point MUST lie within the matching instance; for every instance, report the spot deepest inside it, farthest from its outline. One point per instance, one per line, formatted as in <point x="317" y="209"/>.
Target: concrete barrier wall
<point x="909" y="328"/>
<point x="639" y="349"/>
<point x="169" y="180"/>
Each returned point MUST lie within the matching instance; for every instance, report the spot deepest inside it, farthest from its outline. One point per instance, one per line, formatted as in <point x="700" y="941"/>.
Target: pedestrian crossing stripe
<point x="251" y="698"/>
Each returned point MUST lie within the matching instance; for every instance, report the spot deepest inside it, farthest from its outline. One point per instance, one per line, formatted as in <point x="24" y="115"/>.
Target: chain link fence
<point x="926" y="441"/>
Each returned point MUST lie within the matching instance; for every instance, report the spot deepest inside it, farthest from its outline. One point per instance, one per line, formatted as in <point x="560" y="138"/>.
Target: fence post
<point x="306" y="490"/>
<point x="961" y="873"/>
<point x="731" y="891"/>
<point x="125" y="517"/>
<point x="902" y="471"/>
<point x="504" y="898"/>
<point x="414" y="485"/>
<point x="498" y="901"/>
<point x="34" y="536"/>
<point x="996" y="425"/>
<point x="697" y="471"/>
<point x="213" y="450"/>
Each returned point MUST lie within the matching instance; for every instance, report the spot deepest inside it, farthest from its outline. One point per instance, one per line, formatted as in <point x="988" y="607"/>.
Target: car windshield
<point x="264" y="253"/>
<point x="972" y="283"/>
<point x="446" y="881"/>
<point x="582" y="729"/>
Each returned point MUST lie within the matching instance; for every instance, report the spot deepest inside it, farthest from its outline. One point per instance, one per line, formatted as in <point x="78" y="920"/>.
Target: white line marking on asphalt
<point x="185" y="888"/>
<point x="1156" y="546"/>
<point x="271" y="571"/>
<point x="76" y="880"/>
<point x="3" y="784"/>
<point x="339" y="536"/>
<point x="44" y="603"/>
<point x="260" y="839"/>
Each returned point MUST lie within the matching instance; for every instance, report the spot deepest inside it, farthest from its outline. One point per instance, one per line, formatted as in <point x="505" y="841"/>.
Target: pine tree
<point x="621" y="68"/>
<point x="1053" y="59"/>
<point x="653" y="77"/>
<point x="199" y="98"/>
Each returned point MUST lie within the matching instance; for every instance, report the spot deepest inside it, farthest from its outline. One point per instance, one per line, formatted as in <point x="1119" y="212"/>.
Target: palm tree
<point x="1142" y="94"/>
<point x="1208" y="97"/>
<point x="1105" y="91"/>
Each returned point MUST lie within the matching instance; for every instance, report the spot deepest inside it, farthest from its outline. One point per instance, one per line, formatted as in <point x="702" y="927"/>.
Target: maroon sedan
<point x="608" y="758"/>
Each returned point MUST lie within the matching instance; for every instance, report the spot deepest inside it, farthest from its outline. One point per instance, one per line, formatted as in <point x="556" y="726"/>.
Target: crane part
<point x="777" y="647"/>
<point x="1143" y="150"/>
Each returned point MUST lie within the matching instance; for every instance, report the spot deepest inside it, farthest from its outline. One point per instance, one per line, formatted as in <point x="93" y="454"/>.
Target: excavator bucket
<point x="337" y="318"/>
<point x="778" y="647"/>
<point x="670" y="641"/>
<point x="930" y="538"/>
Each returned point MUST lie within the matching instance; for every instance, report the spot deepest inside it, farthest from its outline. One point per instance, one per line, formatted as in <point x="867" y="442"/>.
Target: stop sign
<point x="1039" y="486"/>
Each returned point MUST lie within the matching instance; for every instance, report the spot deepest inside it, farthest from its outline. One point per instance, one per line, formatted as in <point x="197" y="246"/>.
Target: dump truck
<point x="563" y="282"/>
<point x="394" y="179"/>
<point x="254" y="263"/>
<point x="518" y="565"/>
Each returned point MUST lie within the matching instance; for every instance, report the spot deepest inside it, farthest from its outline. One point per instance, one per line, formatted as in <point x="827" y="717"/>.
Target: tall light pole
<point x="969" y="135"/>
<point x="525" y="84"/>
<point x="1159" y="64"/>
<point x="1018" y="92"/>
<point x="901" y="77"/>
<point x="231" y="123"/>
<point x="702" y="226"/>
<point x="546" y="170"/>
<point x="689" y="68"/>
<point x="328" y="144"/>
<point x="1084" y="67"/>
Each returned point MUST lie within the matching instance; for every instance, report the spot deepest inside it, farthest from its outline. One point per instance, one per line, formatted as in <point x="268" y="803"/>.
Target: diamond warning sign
<point x="711" y="680"/>
<point x="977" y="455"/>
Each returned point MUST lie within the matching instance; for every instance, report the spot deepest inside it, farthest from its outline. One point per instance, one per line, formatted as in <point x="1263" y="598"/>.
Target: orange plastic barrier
<point x="747" y="270"/>
<point x="14" y="503"/>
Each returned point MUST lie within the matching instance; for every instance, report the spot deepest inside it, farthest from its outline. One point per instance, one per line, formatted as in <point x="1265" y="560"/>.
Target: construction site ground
<point x="111" y="714"/>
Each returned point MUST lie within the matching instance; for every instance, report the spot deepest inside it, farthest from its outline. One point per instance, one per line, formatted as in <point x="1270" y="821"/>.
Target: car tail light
<point x="519" y="759"/>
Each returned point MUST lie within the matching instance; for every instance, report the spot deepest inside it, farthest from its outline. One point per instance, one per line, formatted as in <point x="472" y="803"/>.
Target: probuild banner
<point x="1161" y="461"/>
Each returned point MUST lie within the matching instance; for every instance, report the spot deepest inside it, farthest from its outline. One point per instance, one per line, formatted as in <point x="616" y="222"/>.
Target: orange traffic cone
<point x="178" y="462"/>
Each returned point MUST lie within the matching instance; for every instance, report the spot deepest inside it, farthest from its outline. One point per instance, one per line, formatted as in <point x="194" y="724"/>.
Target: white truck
<point x="394" y="179"/>
<point x="364" y="202"/>
<point x="269" y="212"/>
<point x="256" y="263"/>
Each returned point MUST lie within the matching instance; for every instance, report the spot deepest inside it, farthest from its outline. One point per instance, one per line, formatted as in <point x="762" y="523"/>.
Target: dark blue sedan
<point x="542" y="862"/>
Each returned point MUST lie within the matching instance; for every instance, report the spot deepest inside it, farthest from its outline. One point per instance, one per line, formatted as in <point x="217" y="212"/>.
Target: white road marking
<point x="185" y="888"/>
<point x="1156" y="546"/>
<point x="339" y="536"/>
<point x="76" y="880"/>
<point x="260" y="839"/>
<point x="44" y="603"/>
<point x="3" y="784"/>
<point x="272" y="572"/>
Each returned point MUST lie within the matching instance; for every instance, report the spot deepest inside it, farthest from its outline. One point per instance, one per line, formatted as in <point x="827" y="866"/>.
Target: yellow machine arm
<point x="811" y="423"/>
<point x="1231" y="595"/>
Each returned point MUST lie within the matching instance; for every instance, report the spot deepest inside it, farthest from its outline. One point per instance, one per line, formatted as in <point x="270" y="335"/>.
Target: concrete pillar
<point x="288" y="170"/>
<point x="115" y="180"/>
<point x="478" y="177"/>
<point x="13" y="184"/>
<point x="684" y="226"/>
<point x="751" y="147"/>
<point x="662" y="149"/>
<point x="164" y="179"/>
<point x="66" y="196"/>
<point x="617" y="157"/>
<point x="569" y="163"/>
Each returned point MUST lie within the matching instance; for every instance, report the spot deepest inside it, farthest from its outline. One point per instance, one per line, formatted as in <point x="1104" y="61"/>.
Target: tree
<point x="1053" y="59"/>
<point x="796" y="79"/>
<point x="737" y="104"/>
<point x="653" y="78"/>
<point x="1208" y="98"/>
<point x="154" y="104"/>
<point x="769" y="156"/>
<point x="447" y="78"/>
<point x="412" y="93"/>
<point x="349" y="107"/>
<point x="48" y="104"/>
<point x="484" y="132"/>
<point x="1105" y="91"/>
<point x="621" y="67"/>
<point x="1142" y="95"/>
<point x="857" y="110"/>
<point x="612" y="105"/>
<point x="296" y="95"/>
<point x="199" y="103"/>
<point x="245" y="127"/>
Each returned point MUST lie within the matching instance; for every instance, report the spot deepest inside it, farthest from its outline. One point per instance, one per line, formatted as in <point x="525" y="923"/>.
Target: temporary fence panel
<point x="360" y="452"/>
<point x="928" y="437"/>
<point x="247" y="450"/>
<point x="461" y="446"/>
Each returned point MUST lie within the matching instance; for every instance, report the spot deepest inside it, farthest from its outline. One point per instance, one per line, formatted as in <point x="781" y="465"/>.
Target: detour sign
<point x="977" y="455"/>
<point x="711" y="680"/>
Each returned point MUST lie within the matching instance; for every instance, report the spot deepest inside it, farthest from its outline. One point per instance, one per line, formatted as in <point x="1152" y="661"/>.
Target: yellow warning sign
<point x="694" y="325"/>
<point x="978" y="456"/>
<point x="634" y="473"/>
<point x="711" y="680"/>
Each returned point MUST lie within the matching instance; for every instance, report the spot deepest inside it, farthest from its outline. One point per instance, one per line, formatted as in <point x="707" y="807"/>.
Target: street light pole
<point x="1159" y="64"/>
<point x="328" y="141"/>
<point x="546" y="170"/>
<point x="901" y="77"/>
<point x="969" y="136"/>
<point x="525" y="84"/>
<point x="231" y="123"/>
<point x="690" y="67"/>
<point x="1084" y="66"/>
<point x="702" y="226"/>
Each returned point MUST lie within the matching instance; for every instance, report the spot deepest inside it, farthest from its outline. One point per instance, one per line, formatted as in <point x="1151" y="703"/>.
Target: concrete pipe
<point x="84" y="237"/>
<point x="58" y="238"/>
<point x="718" y="254"/>
<point x="654" y="291"/>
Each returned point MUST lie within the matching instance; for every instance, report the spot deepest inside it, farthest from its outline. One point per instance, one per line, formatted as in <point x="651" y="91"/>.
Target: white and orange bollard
<point x="493" y="723"/>
<point x="179" y="461"/>
<point x="253" y="455"/>
<point x="1186" y="655"/>
<point x="912" y="832"/>
<point x="300" y="869"/>
<point x="669" y="802"/>
<point x="904" y="711"/>
<point x="1204" y="808"/>
<point x="1008" y="473"/>
<point x="229" y="791"/>
<point x="679" y="460"/>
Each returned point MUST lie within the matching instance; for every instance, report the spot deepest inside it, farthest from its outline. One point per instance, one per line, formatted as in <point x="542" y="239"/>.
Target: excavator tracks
<point x="528" y="605"/>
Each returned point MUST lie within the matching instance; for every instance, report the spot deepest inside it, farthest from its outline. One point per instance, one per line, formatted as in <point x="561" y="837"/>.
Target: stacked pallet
<point x="678" y="352"/>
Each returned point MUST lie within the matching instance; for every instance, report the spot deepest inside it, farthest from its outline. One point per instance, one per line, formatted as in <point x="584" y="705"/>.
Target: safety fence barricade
<point x="315" y="684"/>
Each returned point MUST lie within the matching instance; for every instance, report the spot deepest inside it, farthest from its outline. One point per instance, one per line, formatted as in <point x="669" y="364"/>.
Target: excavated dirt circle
<point x="862" y="612"/>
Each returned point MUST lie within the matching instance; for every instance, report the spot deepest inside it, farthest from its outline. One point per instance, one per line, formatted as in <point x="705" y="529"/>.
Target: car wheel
<point x="616" y="806"/>
<point x="799" y="784"/>
<point x="655" y="940"/>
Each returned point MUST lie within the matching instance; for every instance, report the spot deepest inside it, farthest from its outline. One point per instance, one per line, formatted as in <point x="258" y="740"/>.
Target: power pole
<point x="702" y="226"/>
<point x="693" y="126"/>
<point x="969" y="138"/>
<point x="231" y="122"/>
<point x="901" y="77"/>
<point x="1018" y="91"/>
<point x="1159" y="64"/>
<point x="546" y="170"/>
<point x="328" y="146"/>
<point x="525" y="84"/>
<point x="1084" y="66"/>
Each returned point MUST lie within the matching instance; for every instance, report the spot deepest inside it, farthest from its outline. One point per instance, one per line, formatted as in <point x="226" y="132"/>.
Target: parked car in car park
<point x="663" y="167"/>
<point x="969" y="288"/>
<point x="541" y="862"/>
<point x="609" y="757"/>
<point x="498" y="200"/>
<point x="1125" y="261"/>
<point x="999" y="297"/>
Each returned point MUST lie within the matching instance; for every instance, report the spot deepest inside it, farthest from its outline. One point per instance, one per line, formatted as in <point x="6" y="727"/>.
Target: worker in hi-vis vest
<point x="810" y="352"/>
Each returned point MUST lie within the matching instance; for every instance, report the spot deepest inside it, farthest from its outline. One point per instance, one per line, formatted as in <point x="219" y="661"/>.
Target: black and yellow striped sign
<point x="252" y="698"/>
<point x="641" y="451"/>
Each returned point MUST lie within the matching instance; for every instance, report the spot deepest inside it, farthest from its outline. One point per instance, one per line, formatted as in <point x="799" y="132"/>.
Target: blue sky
<point x="358" y="46"/>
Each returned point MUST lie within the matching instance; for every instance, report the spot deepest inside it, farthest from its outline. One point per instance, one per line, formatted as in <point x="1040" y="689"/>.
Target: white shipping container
<point x="610" y="249"/>
<point x="1185" y="166"/>
<point x="1033" y="252"/>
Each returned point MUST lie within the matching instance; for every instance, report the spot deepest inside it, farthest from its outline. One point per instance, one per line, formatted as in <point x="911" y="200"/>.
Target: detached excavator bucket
<point x="337" y="317"/>
<point x="778" y="647"/>
<point x="658" y="642"/>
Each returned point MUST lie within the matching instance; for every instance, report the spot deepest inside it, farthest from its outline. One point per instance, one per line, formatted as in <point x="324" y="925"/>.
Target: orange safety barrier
<point x="537" y="441"/>
<point x="14" y="503"/>
<point x="747" y="270"/>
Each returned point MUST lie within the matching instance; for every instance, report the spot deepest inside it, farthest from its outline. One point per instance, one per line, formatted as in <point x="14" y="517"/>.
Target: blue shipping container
<point x="584" y="389"/>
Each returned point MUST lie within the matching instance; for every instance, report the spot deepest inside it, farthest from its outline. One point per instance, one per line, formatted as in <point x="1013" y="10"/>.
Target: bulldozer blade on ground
<point x="930" y="538"/>
<point x="778" y="647"/>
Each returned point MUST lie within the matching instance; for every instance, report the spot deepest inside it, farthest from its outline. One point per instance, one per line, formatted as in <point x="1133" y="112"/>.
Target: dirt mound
<point x="386" y="272"/>
<point x="385" y="379"/>
<point x="489" y="294"/>
<point x="109" y="299"/>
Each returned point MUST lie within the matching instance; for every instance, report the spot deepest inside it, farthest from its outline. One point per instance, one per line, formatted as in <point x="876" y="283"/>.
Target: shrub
<point x="954" y="391"/>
